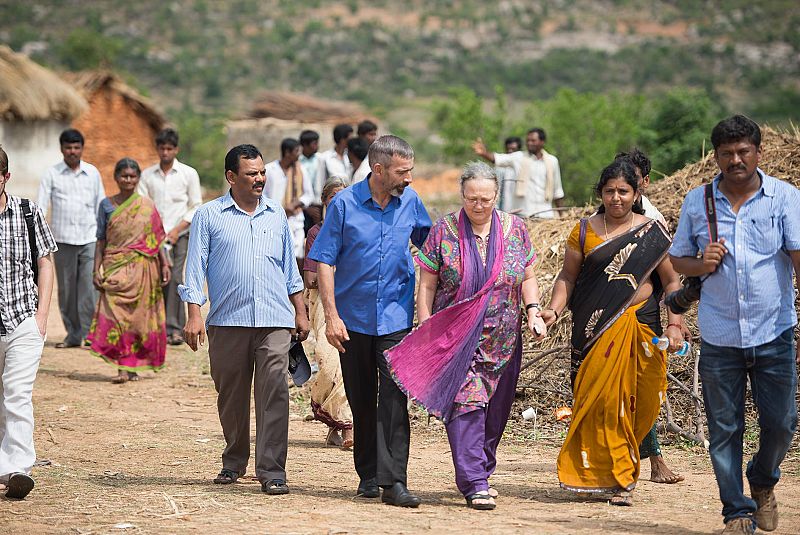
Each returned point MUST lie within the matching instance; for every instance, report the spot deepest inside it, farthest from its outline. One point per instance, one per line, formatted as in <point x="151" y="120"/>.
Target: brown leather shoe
<point x="739" y="526"/>
<point x="766" y="516"/>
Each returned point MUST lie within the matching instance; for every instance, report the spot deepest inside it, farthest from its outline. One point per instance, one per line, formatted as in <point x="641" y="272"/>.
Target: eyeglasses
<point x="479" y="202"/>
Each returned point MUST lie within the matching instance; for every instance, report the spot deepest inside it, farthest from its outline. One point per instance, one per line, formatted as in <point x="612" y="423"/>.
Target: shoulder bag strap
<point x="31" y="224"/>
<point x="711" y="212"/>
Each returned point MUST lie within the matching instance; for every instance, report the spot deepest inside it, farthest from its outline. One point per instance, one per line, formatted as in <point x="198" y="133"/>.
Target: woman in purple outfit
<point x="463" y="361"/>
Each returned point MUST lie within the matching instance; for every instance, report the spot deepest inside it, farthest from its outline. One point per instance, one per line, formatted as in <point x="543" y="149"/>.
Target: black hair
<point x="127" y="163"/>
<point x="248" y="152"/>
<point x="734" y="129"/>
<point x="513" y="139"/>
<point x="540" y="132"/>
<point x="168" y="136"/>
<point x="619" y="168"/>
<point x="288" y="145"/>
<point x="365" y="127"/>
<point x="70" y="135"/>
<point x="358" y="146"/>
<point x="638" y="159"/>
<point x="307" y="137"/>
<point x="341" y="131"/>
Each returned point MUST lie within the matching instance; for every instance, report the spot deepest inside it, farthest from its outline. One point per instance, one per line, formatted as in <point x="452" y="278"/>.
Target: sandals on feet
<point x="226" y="477"/>
<point x="275" y="487"/>
<point x="493" y="492"/>
<point x="481" y="501"/>
<point x="622" y="498"/>
<point x="119" y="379"/>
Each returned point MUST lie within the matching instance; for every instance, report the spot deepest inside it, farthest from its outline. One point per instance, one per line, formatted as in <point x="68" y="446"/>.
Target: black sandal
<point x="487" y="505"/>
<point x="275" y="487"/>
<point x="226" y="477"/>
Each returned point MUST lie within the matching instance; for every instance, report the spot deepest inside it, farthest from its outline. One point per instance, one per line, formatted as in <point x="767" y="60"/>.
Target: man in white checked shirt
<point x="24" y="306"/>
<point x="72" y="190"/>
<point x="241" y="245"/>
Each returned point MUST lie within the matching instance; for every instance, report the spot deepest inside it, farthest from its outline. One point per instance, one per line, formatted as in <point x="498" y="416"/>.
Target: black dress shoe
<point x="399" y="496"/>
<point x="368" y="488"/>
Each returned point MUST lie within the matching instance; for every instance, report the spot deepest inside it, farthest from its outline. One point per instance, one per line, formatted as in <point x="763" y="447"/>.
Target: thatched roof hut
<point x="276" y="115"/>
<point x="35" y="106"/>
<point x="118" y="122"/>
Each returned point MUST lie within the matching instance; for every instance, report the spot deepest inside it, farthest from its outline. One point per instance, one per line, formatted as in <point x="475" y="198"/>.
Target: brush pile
<point x="544" y="382"/>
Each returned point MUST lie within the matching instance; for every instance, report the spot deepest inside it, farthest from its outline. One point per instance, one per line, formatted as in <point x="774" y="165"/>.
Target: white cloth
<point x="177" y="194"/>
<point x="20" y="352"/>
<point x="310" y="166"/>
<point x="332" y="164"/>
<point x="276" y="189"/>
<point x="534" y="202"/>
<point x="507" y="180"/>
<point x="74" y="198"/>
<point x="652" y="212"/>
<point x="362" y="171"/>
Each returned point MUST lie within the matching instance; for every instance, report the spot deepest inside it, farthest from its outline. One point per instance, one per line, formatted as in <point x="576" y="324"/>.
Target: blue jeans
<point x="773" y="380"/>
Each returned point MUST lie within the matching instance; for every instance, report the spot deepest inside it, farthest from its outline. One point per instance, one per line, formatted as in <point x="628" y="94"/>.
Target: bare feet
<point x="122" y="377"/>
<point x="347" y="438"/>
<point x="623" y="498"/>
<point x="659" y="473"/>
<point x="334" y="438"/>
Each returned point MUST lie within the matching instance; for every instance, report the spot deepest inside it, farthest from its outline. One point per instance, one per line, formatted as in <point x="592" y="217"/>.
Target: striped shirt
<point x="248" y="262"/>
<point x="19" y="296"/>
<point x="749" y="300"/>
<point x="74" y="198"/>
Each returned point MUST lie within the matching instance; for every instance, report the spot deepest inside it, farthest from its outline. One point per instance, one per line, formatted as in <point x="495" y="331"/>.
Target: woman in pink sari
<point x="463" y="361"/>
<point x="128" y="330"/>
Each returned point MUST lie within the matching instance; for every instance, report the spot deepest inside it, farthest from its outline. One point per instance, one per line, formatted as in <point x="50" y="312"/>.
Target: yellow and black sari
<point x="621" y="381"/>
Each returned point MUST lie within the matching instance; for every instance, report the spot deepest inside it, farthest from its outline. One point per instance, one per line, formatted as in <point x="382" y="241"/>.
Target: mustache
<point x="259" y="184"/>
<point x="736" y="167"/>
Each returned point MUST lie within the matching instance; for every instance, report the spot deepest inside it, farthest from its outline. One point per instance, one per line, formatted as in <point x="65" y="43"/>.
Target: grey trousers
<point x="176" y="309"/>
<point x="235" y="354"/>
<point x="76" y="294"/>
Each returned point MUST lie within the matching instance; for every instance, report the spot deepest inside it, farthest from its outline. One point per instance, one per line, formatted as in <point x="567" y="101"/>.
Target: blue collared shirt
<point x="369" y="246"/>
<point x="248" y="262"/>
<point x="749" y="299"/>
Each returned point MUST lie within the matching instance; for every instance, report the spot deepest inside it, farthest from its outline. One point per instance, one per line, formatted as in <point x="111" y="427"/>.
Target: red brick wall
<point x="113" y="131"/>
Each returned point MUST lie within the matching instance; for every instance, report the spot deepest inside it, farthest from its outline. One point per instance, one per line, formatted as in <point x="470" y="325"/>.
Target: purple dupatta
<point x="431" y="363"/>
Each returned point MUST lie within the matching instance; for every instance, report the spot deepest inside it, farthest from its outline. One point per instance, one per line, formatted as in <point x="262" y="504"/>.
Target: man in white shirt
<point x="174" y="187"/>
<point x="358" y="152"/>
<point x="334" y="161"/>
<point x="72" y="190"/>
<point x="287" y="185"/>
<point x="310" y="161"/>
<point x="507" y="178"/>
<point x="538" y="187"/>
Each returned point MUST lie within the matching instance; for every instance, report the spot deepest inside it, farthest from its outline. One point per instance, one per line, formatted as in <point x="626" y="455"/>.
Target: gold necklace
<point x="605" y="224"/>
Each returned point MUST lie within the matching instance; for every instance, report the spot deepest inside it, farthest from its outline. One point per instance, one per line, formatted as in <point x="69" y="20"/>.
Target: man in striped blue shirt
<point x="242" y="247"/>
<point x="746" y="316"/>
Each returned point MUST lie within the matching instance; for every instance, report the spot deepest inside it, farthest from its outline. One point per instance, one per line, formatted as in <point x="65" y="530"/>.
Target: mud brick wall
<point x="113" y="130"/>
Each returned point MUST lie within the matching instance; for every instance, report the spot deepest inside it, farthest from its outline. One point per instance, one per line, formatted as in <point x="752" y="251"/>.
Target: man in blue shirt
<point x="746" y="316"/>
<point x="369" y="308"/>
<point x="241" y="245"/>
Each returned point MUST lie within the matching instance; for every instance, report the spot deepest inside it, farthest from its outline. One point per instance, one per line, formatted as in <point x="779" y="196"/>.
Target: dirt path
<point x="139" y="458"/>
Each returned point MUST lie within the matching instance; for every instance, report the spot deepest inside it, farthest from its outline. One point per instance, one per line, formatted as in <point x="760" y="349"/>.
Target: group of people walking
<point x="477" y="292"/>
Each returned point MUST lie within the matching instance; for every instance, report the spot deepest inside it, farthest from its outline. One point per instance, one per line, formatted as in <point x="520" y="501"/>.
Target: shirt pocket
<point x="764" y="235"/>
<point x="19" y="248"/>
<point x="272" y="245"/>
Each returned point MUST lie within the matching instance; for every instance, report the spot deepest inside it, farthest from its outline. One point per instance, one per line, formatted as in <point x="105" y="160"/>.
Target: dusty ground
<point x="139" y="458"/>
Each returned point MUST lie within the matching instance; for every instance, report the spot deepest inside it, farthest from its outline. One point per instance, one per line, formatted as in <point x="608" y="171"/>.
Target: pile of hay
<point x="544" y="384"/>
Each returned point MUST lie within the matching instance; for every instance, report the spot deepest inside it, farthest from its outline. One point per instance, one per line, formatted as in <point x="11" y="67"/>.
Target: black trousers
<point x="380" y="414"/>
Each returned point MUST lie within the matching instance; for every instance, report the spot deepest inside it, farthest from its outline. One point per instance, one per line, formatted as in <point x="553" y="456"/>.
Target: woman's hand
<point x="97" y="280"/>
<point x="675" y="336"/>
<point x="166" y="273"/>
<point x="536" y="324"/>
<point x="549" y="316"/>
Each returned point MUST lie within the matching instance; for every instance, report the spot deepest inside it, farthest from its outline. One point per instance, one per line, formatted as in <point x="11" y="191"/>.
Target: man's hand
<point x="195" y="331"/>
<point x="336" y="333"/>
<point x="172" y="236"/>
<point x="712" y="255"/>
<point x="479" y="148"/>
<point x="41" y="324"/>
<point x="300" y="331"/>
<point x="548" y="315"/>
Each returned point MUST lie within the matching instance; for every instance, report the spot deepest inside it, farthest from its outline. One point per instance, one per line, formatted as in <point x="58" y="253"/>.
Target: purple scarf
<point x="431" y="363"/>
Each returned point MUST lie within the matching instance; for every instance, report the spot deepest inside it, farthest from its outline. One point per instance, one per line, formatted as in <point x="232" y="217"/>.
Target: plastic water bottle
<point x="663" y="343"/>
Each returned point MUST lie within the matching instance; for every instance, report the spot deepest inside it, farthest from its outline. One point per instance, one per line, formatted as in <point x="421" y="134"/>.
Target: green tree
<point x="203" y="145"/>
<point x="87" y="49"/>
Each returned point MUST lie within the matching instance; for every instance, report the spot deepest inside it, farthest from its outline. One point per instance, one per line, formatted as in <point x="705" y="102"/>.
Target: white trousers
<point x="20" y="352"/>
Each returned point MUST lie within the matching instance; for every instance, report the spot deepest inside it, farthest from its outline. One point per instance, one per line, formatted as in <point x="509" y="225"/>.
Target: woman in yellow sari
<point x="615" y="271"/>
<point x="128" y="330"/>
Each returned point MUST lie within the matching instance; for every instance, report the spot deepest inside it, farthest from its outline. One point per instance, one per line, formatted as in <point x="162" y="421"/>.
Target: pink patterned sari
<point x="129" y="330"/>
